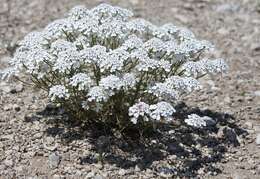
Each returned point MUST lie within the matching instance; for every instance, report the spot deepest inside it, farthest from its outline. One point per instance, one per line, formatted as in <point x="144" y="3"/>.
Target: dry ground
<point x="29" y="142"/>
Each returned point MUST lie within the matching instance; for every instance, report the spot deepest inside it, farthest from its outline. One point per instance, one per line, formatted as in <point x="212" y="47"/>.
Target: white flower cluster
<point x="97" y="94"/>
<point x="105" y="57"/>
<point x="161" y="110"/>
<point x="197" y="121"/>
<point x="175" y="86"/>
<point x="58" y="91"/>
<point x="111" y="83"/>
<point x="204" y="66"/>
<point x="83" y="81"/>
<point x="139" y="109"/>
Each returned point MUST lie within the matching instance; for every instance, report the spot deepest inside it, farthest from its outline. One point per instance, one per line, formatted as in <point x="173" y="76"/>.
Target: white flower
<point x="114" y="29"/>
<point x="81" y="80"/>
<point x="204" y="66"/>
<point x="173" y="47"/>
<point x="8" y="73"/>
<point x="87" y="26"/>
<point x="133" y="42"/>
<point x="183" y="84"/>
<point x="82" y="41"/>
<point x="115" y="60"/>
<point x="33" y="39"/>
<point x="215" y="66"/>
<point x="111" y="83"/>
<point x="97" y="94"/>
<point x="139" y="54"/>
<point x="170" y="28"/>
<point x="96" y="54"/>
<point x="161" y="110"/>
<point x="78" y="12"/>
<point x="32" y="60"/>
<point x="154" y="44"/>
<point x="194" y="68"/>
<point x="173" y="87"/>
<point x="58" y="91"/>
<point x="185" y="34"/>
<point x="164" y="91"/>
<point x="147" y="64"/>
<point x="140" y="26"/>
<point x="138" y="110"/>
<point x="129" y="80"/>
<point x="196" y="121"/>
<point x="57" y="28"/>
<point x="66" y="61"/>
<point x="62" y="45"/>
<point x="85" y="105"/>
<point x="190" y="46"/>
<point x="107" y="13"/>
<point x="165" y="65"/>
<point x="161" y="33"/>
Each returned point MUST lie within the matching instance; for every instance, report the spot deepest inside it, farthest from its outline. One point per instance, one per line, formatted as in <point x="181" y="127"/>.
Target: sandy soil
<point x="34" y="144"/>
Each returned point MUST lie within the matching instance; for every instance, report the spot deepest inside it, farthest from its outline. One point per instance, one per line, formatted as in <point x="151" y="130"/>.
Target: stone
<point x="98" y="176"/>
<point x="249" y="124"/>
<point x="166" y="172"/>
<point x="223" y="31"/>
<point x="121" y="172"/>
<point x="38" y="135"/>
<point x="50" y="148"/>
<point x="256" y="128"/>
<point x="7" y="137"/>
<point x="8" y="107"/>
<point x="50" y="140"/>
<point x="56" y="176"/>
<point x="227" y="8"/>
<point x="255" y="46"/>
<point x="137" y="168"/>
<point x="90" y="175"/>
<point x="6" y="59"/>
<point x="257" y="139"/>
<point x="37" y="125"/>
<point x="209" y="121"/>
<point x="99" y="165"/>
<point x="17" y="88"/>
<point x="54" y="160"/>
<point x="16" y="107"/>
<point x="228" y="133"/>
<point x="182" y="18"/>
<point x="257" y="93"/>
<point x="5" y="87"/>
<point x="2" y="168"/>
<point x="134" y="2"/>
<point x="237" y="175"/>
<point x="227" y="100"/>
<point x="9" y="163"/>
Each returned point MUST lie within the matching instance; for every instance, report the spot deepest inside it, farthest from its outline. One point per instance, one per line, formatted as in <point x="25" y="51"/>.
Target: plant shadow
<point x="186" y="150"/>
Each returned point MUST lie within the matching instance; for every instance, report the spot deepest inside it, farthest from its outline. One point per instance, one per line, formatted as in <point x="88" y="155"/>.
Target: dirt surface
<point x="36" y="144"/>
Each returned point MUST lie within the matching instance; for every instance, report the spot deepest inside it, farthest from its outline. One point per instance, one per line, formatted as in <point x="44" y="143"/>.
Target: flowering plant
<point x="104" y="65"/>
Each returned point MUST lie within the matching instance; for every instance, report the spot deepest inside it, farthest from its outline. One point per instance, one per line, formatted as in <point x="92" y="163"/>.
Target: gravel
<point x="36" y="143"/>
<point x="257" y="139"/>
<point x="54" y="160"/>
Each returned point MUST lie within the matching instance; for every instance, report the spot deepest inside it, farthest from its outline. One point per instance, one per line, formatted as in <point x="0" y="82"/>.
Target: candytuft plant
<point x="103" y="65"/>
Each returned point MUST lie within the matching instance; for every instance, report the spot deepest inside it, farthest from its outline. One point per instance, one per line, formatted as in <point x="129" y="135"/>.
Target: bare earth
<point x="36" y="143"/>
